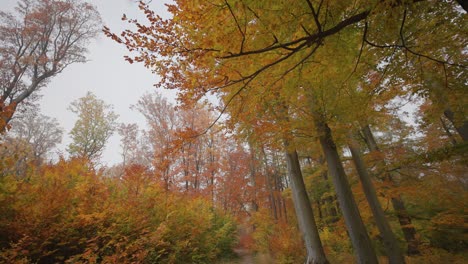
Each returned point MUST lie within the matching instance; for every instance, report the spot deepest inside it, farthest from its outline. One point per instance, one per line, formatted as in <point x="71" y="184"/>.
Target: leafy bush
<point x="279" y="238"/>
<point x="68" y="213"/>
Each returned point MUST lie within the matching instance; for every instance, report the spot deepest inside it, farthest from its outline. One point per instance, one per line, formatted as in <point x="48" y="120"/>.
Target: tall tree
<point x="429" y="40"/>
<point x="162" y="120"/>
<point x="404" y="218"/>
<point x="38" y="42"/>
<point x="43" y="133"/>
<point x="394" y="254"/>
<point x="266" y="117"/>
<point x="96" y="123"/>
<point x="257" y="48"/>
<point x="30" y="141"/>
<point x="129" y="143"/>
<point x="305" y="216"/>
<point x="357" y="231"/>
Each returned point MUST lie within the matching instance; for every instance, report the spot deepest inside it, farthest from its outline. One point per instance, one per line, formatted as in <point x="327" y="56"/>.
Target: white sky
<point x="106" y="74"/>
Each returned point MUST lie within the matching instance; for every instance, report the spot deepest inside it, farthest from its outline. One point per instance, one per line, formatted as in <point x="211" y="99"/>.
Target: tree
<point x="355" y="225"/>
<point x="38" y="42"/>
<point x="302" y="205"/>
<point x="96" y="123"/>
<point x="129" y="143"/>
<point x="429" y="39"/>
<point x="32" y="137"/>
<point x="179" y="159"/>
<point x="395" y="255"/>
<point x="162" y="120"/>
<point x="312" y="49"/>
<point x="43" y="133"/>
<point x="404" y="218"/>
<point x="230" y="70"/>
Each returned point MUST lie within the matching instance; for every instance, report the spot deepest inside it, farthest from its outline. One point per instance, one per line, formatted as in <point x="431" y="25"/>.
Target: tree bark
<point x="462" y="128"/>
<point x="357" y="231"/>
<point x="409" y="232"/>
<point x="269" y="185"/>
<point x="394" y="254"/>
<point x="253" y="180"/>
<point x="305" y="215"/>
<point x="448" y="132"/>
<point x="463" y="4"/>
<point x="369" y="139"/>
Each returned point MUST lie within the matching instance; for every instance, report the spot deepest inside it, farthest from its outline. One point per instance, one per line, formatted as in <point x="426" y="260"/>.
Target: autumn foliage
<point x="69" y="213"/>
<point x="332" y="132"/>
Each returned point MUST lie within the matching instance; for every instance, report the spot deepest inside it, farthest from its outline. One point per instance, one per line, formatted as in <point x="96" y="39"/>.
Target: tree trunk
<point x="462" y="128"/>
<point x="463" y="4"/>
<point x="329" y="200"/>
<point x="409" y="232"/>
<point x="253" y="180"/>
<point x="448" y="132"/>
<point x="284" y="208"/>
<point x="269" y="185"/>
<point x="305" y="215"/>
<point x="369" y="139"/>
<point x="394" y="254"/>
<point x="271" y="195"/>
<point x="357" y="231"/>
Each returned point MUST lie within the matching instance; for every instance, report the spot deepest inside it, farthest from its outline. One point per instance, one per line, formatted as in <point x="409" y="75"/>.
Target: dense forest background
<point x="316" y="131"/>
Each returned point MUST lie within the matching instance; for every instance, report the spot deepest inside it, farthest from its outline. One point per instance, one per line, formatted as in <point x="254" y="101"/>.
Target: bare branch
<point x="308" y="40"/>
<point x="315" y="15"/>
<point x="237" y="25"/>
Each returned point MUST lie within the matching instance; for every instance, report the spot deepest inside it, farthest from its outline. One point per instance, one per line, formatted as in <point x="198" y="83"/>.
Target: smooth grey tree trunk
<point x="269" y="185"/>
<point x="463" y="4"/>
<point x="462" y="128"/>
<point x="394" y="253"/>
<point x="253" y="180"/>
<point x="302" y="206"/>
<point x="357" y="231"/>
<point x="448" y="132"/>
<point x="409" y="232"/>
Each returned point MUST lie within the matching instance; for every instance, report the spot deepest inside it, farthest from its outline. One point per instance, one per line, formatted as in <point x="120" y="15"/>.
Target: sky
<point x="106" y="74"/>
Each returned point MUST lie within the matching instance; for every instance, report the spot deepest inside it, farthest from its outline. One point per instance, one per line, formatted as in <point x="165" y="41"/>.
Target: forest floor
<point x="245" y="256"/>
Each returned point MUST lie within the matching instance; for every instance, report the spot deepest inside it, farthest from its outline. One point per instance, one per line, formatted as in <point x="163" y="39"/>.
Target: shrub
<point x="68" y="213"/>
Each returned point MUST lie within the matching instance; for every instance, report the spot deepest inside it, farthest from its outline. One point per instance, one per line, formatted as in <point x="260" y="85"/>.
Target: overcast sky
<point x="106" y="74"/>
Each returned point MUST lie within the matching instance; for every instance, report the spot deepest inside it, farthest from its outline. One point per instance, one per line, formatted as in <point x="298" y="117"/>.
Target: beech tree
<point x="30" y="141"/>
<point x="162" y="121"/>
<point x="180" y="160"/>
<point x="313" y="50"/>
<point x="96" y="123"/>
<point x="394" y="252"/>
<point x="39" y="41"/>
<point x="129" y="143"/>
<point x="228" y="56"/>
<point x="43" y="133"/>
<point x="403" y="216"/>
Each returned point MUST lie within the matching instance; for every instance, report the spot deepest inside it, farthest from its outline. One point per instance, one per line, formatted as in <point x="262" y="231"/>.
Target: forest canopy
<point x="289" y="142"/>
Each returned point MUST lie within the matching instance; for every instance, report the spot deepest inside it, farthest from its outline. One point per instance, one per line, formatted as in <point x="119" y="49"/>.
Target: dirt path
<point x="245" y="256"/>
